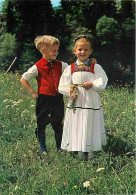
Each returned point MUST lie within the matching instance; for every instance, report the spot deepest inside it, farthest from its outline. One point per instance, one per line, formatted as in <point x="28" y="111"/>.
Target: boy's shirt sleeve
<point x="65" y="82"/>
<point x="64" y="65"/>
<point x="101" y="79"/>
<point x="31" y="73"/>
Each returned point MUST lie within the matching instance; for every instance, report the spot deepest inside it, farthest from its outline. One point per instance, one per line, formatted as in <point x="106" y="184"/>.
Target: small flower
<point x="93" y="179"/>
<point x="53" y="184"/>
<point x="75" y="186"/>
<point x="67" y="166"/>
<point x="86" y="184"/>
<point x="98" y="170"/>
<point x="5" y="100"/>
<point x="25" y="111"/>
<point x="16" y="187"/>
<point x="65" y="183"/>
<point x="6" y="184"/>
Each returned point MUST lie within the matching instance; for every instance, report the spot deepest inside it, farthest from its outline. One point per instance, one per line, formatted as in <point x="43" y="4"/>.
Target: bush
<point x="7" y="50"/>
<point x="108" y="30"/>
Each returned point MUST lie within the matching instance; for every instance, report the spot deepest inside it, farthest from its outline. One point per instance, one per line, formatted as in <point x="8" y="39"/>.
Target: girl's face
<point x="82" y="51"/>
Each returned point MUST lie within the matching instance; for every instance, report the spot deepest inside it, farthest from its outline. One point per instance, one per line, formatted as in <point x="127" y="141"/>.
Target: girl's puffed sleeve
<point x="65" y="82"/>
<point x="101" y="79"/>
<point x="64" y="65"/>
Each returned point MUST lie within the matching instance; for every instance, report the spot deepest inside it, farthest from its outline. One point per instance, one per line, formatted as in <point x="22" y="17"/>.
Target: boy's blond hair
<point x="45" y="41"/>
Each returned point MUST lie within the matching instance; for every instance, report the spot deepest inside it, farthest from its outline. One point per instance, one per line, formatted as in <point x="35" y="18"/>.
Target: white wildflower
<point x="98" y="170"/>
<point x="25" y="111"/>
<point x="86" y="184"/>
<point x="5" y="100"/>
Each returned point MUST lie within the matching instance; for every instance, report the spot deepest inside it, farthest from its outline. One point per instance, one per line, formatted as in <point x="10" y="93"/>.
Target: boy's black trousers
<point x="49" y="109"/>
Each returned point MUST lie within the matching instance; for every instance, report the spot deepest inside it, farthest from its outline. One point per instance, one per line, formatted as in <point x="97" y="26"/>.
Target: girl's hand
<point x="35" y="95"/>
<point x="87" y="85"/>
<point x="73" y="96"/>
<point x="93" y="61"/>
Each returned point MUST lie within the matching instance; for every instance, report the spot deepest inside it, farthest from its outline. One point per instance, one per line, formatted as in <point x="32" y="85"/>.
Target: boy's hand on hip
<point x="87" y="85"/>
<point x="35" y="95"/>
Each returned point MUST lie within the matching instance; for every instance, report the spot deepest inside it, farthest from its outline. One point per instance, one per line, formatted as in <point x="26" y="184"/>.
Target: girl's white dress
<point x="84" y="130"/>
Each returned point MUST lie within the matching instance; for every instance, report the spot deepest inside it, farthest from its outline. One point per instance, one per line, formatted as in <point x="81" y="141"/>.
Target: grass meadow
<point x="22" y="172"/>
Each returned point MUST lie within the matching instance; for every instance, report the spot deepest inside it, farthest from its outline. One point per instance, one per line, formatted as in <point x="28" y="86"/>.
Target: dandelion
<point x="6" y="94"/>
<point x="86" y="184"/>
<point x="98" y="170"/>
<point x="75" y="186"/>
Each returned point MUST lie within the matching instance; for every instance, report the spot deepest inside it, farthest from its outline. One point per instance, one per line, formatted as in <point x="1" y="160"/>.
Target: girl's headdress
<point x="81" y="37"/>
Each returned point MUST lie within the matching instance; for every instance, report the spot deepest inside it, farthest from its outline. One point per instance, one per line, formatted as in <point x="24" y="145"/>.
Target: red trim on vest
<point x="90" y="70"/>
<point x="48" y="79"/>
<point x="72" y="68"/>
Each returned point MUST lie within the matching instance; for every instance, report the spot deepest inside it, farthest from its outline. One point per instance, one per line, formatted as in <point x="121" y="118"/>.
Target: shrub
<point x="7" y="50"/>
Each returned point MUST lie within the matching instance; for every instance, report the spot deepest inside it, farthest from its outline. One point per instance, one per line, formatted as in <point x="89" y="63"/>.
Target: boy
<point x="49" y="105"/>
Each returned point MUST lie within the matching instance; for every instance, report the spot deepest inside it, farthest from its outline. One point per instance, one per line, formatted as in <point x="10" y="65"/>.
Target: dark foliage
<point x="109" y="24"/>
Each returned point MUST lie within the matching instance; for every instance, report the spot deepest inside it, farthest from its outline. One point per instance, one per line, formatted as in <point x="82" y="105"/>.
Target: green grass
<point x="21" y="170"/>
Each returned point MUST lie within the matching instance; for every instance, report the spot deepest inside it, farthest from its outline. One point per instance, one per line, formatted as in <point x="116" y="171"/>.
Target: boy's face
<point x="51" y="52"/>
<point x="82" y="51"/>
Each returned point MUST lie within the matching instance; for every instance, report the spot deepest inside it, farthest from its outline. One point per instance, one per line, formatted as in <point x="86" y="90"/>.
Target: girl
<point x="84" y="126"/>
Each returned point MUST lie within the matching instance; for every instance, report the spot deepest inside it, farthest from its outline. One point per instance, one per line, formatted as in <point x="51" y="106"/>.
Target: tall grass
<point x="22" y="171"/>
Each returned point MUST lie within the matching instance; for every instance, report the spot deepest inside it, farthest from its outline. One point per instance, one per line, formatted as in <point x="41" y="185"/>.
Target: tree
<point x="8" y="48"/>
<point x="27" y="19"/>
<point x="108" y="31"/>
<point x="36" y="18"/>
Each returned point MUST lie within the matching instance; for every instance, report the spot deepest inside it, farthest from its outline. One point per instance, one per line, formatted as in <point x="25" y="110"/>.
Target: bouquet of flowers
<point x="73" y="91"/>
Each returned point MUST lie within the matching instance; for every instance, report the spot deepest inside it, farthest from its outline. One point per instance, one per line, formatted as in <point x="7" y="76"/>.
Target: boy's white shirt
<point x="33" y="72"/>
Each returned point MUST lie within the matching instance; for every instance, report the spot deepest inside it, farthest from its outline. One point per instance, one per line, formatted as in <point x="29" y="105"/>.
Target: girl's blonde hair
<point x="82" y="39"/>
<point x="45" y="41"/>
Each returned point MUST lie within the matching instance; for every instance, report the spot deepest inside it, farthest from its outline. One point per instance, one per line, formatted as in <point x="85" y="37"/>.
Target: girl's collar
<point x="85" y="62"/>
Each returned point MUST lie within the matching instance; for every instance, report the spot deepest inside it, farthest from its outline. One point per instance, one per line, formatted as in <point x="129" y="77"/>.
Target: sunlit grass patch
<point x="22" y="171"/>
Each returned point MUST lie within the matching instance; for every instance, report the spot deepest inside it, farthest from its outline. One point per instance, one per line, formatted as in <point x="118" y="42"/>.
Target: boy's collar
<point x="86" y="62"/>
<point x="47" y="61"/>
